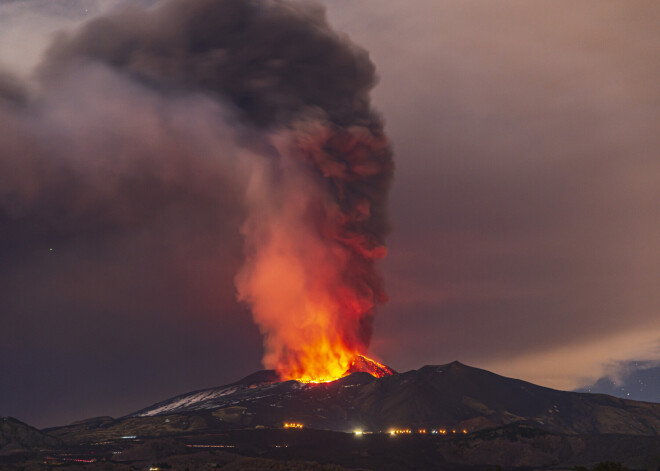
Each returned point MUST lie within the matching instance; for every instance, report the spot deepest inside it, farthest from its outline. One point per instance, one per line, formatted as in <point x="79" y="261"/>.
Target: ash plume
<point x="192" y="106"/>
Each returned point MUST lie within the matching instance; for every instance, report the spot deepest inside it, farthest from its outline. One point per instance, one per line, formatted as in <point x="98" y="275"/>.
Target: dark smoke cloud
<point x="275" y="62"/>
<point x="272" y="60"/>
<point x="279" y="65"/>
<point x="126" y="162"/>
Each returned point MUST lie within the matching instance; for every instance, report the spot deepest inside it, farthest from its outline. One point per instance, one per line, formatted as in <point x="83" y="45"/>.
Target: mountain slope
<point x="452" y="396"/>
<point x="16" y="436"/>
<point x="509" y="423"/>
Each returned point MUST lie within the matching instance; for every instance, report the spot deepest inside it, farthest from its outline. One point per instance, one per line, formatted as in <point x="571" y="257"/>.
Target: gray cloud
<point x="638" y="380"/>
<point x="271" y="60"/>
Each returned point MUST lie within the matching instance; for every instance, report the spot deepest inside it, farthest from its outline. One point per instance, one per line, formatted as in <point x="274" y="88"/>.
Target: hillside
<point x="450" y="397"/>
<point x="17" y="436"/>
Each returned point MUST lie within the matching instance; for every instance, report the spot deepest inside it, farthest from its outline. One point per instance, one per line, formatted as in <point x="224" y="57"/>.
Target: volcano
<point x="376" y="398"/>
<point x="478" y="417"/>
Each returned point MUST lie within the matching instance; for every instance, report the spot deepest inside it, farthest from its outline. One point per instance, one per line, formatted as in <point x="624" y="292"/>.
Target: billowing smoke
<point x="194" y="103"/>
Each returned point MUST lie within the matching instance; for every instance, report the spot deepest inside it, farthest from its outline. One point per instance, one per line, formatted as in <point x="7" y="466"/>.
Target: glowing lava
<point x="360" y="363"/>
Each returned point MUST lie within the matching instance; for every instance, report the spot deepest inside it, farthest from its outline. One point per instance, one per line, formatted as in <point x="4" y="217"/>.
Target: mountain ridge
<point x="453" y="395"/>
<point x="16" y="436"/>
<point x="478" y="417"/>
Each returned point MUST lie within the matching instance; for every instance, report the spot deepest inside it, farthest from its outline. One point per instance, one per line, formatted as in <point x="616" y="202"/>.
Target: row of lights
<point x="292" y="425"/>
<point x="395" y="431"/>
<point x="423" y="430"/>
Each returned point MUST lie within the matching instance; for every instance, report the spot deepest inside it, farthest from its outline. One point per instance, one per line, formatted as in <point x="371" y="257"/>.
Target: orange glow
<point x="333" y="372"/>
<point x="320" y="363"/>
<point x="310" y="318"/>
<point x="295" y="425"/>
<point x="311" y="244"/>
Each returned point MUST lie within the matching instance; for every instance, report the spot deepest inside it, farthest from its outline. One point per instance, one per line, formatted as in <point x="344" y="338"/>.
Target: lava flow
<point x="360" y="363"/>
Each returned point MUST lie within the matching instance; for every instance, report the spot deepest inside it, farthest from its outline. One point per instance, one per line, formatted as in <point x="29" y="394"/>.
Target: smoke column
<point x="317" y="164"/>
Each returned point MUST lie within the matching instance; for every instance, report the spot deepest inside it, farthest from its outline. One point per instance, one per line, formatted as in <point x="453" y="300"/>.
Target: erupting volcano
<point x="317" y="209"/>
<point x="314" y="162"/>
<point x="313" y="235"/>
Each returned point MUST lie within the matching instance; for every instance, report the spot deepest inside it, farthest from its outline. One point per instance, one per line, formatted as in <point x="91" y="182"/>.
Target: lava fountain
<point x="317" y="216"/>
<point x="313" y="237"/>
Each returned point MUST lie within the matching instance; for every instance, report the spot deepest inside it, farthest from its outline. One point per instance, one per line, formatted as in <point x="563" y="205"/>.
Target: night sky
<point x="524" y="210"/>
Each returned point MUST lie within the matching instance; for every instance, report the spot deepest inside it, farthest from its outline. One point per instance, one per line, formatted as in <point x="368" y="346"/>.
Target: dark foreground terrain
<point x="447" y="417"/>
<point x="514" y="447"/>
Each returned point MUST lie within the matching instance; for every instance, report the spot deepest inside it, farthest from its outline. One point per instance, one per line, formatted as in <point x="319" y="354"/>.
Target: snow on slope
<point x="256" y="386"/>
